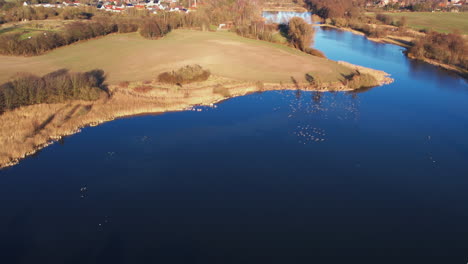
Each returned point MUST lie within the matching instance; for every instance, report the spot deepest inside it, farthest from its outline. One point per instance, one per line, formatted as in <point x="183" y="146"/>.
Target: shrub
<point x="187" y="74"/>
<point x="124" y="84"/>
<point x="260" y="86"/>
<point x="359" y="80"/>
<point x="386" y="19"/>
<point x="372" y="32"/>
<point x="219" y="89"/>
<point x="315" y="52"/>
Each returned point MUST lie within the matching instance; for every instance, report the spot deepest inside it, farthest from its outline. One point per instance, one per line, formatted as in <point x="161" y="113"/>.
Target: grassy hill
<point x="129" y="57"/>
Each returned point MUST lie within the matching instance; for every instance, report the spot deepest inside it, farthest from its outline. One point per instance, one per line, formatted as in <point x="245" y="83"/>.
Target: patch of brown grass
<point x="143" y="89"/>
<point x="124" y="84"/>
<point x="219" y="89"/>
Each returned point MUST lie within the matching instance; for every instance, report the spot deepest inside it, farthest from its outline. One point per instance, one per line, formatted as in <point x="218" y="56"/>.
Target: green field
<point x="25" y="31"/>
<point x="31" y="28"/>
<point x="129" y="57"/>
<point x="438" y="21"/>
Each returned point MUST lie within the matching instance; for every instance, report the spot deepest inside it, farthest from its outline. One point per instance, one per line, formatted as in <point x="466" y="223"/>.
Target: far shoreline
<point x="399" y="41"/>
<point x="126" y="103"/>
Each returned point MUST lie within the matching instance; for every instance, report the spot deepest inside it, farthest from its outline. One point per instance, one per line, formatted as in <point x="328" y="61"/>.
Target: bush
<point x="260" y="86"/>
<point x="187" y="74"/>
<point x="55" y="87"/>
<point x="372" y="32"/>
<point x="359" y="80"/>
<point x="386" y="19"/>
<point x="315" y="52"/>
<point x="219" y="89"/>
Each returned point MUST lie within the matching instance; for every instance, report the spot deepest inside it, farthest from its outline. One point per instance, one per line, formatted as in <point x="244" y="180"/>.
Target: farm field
<point x="129" y="57"/>
<point x="438" y="21"/>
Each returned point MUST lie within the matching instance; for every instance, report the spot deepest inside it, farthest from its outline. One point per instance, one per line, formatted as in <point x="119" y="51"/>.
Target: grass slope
<point x="129" y="57"/>
<point x="438" y="21"/>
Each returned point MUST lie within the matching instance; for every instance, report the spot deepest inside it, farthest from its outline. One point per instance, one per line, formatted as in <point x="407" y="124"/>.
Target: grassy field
<point x="438" y="21"/>
<point x="129" y="57"/>
<point x="31" y="28"/>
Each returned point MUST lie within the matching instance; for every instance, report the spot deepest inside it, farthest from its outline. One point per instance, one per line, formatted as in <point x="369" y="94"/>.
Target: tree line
<point x="15" y="44"/>
<point x="336" y="8"/>
<point x="55" y="87"/>
<point x="244" y="14"/>
<point x="21" y="13"/>
<point x="446" y="48"/>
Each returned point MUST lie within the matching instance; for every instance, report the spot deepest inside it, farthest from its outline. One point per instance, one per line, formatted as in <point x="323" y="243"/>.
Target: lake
<point x="376" y="176"/>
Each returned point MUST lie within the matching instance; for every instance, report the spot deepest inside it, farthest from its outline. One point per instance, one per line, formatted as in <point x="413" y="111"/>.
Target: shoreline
<point x="400" y="41"/>
<point x="69" y="118"/>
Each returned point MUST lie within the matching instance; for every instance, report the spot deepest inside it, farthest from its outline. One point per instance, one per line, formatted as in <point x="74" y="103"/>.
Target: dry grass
<point x="219" y="89"/>
<point x="27" y="129"/>
<point x="129" y="57"/>
<point x="143" y="89"/>
<point x="124" y="84"/>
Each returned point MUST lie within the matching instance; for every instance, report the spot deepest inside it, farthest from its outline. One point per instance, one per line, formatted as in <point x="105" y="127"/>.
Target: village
<point x="122" y="6"/>
<point x="436" y="5"/>
<point x="119" y="6"/>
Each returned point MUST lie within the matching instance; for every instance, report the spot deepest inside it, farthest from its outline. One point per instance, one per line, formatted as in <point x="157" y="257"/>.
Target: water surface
<point x="379" y="176"/>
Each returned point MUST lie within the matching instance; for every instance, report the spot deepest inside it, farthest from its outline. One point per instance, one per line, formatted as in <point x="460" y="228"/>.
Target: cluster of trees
<point x="298" y="33"/>
<point x="241" y="12"/>
<point x="20" y="13"/>
<point x="150" y="27"/>
<point x="362" y="24"/>
<point x="154" y="28"/>
<point x="258" y="30"/>
<point x="446" y="48"/>
<point x="55" y="87"/>
<point x="388" y="20"/>
<point x="336" y="8"/>
<point x="14" y="44"/>
<point x="348" y="13"/>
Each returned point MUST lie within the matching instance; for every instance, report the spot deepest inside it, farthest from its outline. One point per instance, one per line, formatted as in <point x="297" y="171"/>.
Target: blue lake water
<point x="379" y="176"/>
